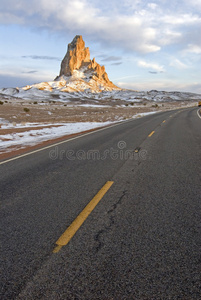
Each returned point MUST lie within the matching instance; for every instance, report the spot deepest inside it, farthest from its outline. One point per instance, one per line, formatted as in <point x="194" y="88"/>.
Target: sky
<point x="144" y="45"/>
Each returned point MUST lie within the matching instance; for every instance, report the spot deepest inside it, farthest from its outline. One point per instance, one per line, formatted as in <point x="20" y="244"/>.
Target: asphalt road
<point x="141" y="241"/>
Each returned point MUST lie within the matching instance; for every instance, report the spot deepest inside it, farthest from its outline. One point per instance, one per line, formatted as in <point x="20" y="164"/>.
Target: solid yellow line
<point x="77" y="223"/>
<point x="57" y="249"/>
<point x="151" y="133"/>
<point x="164" y="121"/>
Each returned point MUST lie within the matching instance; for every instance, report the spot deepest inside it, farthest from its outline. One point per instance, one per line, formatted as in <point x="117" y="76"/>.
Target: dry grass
<point x="19" y="111"/>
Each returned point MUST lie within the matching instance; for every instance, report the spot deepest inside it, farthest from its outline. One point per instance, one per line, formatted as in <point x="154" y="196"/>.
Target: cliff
<point x="77" y="58"/>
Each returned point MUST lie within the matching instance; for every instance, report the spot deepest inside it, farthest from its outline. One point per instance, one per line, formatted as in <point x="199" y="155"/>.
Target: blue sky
<point x="143" y="44"/>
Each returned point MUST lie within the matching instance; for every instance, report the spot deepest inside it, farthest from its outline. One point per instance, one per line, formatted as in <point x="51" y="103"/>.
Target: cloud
<point x="131" y="32"/>
<point x="182" y="19"/>
<point x="193" y="48"/>
<point x="134" y="25"/>
<point x="153" y="66"/>
<point x="170" y="37"/>
<point x="195" y="3"/>
<point x="29" y="72"/>
<point x="115" y="60"/>
<point x="149" y="31"/>
<point x="178" y="64"/>
<point x="112" y="58"/>
<point x="41" y="57"/>
<point x="152" y="5"/>
<point x="116" y="64"/>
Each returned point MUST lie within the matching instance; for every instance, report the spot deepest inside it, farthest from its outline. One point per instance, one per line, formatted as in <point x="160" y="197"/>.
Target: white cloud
<point x="129" y="28"/>
<point x="152" y="66"/>
<point x="176" y="63"/>
<point x="135" y="31"/>
<point x="152" y="5"/>
<point x="193" y="3"/>
<point x="192" y="48"/>
<point x="182" y="19"/>
<point x="135" y="25"/>
<point x="170" y="37"/>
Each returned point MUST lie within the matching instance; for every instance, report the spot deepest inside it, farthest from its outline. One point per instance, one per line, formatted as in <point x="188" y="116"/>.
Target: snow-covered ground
<point x="75" y="98"/>
<point x="36" y="136"/>
<point x="124" y="95"/>
<point x="19" y="140"/>
<point x="80" y="87"/>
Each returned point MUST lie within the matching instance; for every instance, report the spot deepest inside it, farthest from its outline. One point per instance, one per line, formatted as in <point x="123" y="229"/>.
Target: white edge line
<point x="67" y="140"/>
<point x="198" y="113"/>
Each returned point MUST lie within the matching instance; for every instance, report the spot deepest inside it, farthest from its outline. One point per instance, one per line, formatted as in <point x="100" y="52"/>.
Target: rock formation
<point x="78" y="58"/>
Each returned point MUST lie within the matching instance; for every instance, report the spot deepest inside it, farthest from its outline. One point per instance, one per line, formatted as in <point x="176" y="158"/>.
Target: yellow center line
<point x="164" y="121"/>
<point x="151" y="133"/>
<point x="77" y="223"/>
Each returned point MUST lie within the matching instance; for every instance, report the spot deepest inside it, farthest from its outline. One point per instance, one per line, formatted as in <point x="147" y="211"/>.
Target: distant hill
<point x="83" y="78"/>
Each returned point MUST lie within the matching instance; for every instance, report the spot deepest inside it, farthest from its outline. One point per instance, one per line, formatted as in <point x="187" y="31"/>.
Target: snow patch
<point x="145" y="114"/>
<point x="36" y="136"/>
<point x="81" y="85"/>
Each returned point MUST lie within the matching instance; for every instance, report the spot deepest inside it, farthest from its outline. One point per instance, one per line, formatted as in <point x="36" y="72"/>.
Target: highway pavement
<point x="112" y="214"/>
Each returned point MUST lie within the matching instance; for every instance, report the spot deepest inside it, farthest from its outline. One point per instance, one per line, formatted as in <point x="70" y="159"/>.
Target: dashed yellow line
<point x="164" y="121"/>
<point x="151" y="133"/>
<point x="77" y="223"/>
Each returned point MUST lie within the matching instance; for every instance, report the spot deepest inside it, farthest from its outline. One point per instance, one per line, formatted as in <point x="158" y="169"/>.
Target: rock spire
<point x="78" y="57"/>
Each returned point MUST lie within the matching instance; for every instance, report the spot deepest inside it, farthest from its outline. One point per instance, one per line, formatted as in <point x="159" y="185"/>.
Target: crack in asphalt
<point x="101" y="232"/>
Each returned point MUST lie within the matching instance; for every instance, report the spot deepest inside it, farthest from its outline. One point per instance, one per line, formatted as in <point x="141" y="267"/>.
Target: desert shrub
<point x="1" y="102"/>
<point x="35" y="102"/>
<point x="55" y="96"/>
<point x="126" y="104"/>
<point x="155" y="105"/>
<point x="26" y="109"/>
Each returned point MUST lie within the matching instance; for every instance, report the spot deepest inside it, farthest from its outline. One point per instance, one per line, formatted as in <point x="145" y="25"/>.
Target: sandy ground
<point x="15" y="110"/>
<point x="18" y="111"/>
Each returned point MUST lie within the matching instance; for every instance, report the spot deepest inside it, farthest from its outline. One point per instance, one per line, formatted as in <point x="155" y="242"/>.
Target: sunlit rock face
<point x="78" y="58"/>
